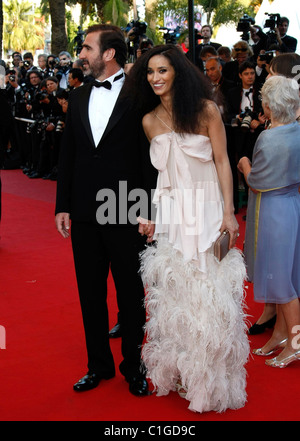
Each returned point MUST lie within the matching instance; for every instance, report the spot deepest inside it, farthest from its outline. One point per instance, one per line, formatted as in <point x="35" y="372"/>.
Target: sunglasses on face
<point x="240" y="49"/>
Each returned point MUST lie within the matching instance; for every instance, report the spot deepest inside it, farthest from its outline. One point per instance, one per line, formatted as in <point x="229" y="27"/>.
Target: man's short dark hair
<point x="28" y="55"/>
<point x="246" y="65"/>
<point x="284" y="20"/>
<point x="77" y="73"/>
<point x="111" y="37"/>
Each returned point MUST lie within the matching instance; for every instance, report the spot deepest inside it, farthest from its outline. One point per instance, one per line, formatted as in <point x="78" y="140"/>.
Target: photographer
<point x="136" y="31"/>
<point x="51" y="113"/>
<point x="27" y="64"/>
<point x="244" y="109"/>
<point x="286" y="42"/>
<point x="30" y="95"/>
<point x="62" y="70"/>
<point x="260" y="41"/>
<point x="15" y="89"/>
<point x="52" y="62"/>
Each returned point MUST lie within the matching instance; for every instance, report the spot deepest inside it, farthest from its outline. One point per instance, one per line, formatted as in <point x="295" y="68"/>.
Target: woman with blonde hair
<point x="241" y="52"/>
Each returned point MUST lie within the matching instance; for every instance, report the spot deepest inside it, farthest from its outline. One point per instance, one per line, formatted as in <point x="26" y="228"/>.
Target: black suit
<point x="121" y="155"/>
<point x="289" y="44"/>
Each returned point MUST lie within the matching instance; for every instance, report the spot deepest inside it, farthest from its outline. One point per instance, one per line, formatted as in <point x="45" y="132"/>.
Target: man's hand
<point x="62" y="222"/>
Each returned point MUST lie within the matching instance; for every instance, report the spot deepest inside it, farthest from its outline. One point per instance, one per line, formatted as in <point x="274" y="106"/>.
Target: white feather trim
<point x="196" y="327"/>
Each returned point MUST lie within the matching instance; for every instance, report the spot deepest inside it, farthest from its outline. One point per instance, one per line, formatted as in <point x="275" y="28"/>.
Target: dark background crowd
<point x="34" y="99"/>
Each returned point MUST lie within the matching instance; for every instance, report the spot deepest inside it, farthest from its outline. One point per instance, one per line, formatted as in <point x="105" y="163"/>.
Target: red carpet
<point x="45" y="349"/>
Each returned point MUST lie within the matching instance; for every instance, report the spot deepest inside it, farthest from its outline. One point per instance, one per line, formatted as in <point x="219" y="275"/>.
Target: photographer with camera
<point x="52" y="62"/>
<point x="30" y="93"/>
<point x="27" y="64"/>
<point x="260" y="41"/>
<point x="51" y="113"/>
<point x="136" y="32"/>
<point x="61" y="71"/>
<point x="286" y="42"/>
<point x="244" y="109"/>
<point x="278" y="33"/>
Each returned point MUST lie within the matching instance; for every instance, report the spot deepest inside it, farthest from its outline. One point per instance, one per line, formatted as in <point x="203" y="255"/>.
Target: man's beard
<point x="94" y="69"/>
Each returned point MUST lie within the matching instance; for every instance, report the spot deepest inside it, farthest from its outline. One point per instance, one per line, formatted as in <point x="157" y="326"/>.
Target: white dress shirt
<point x="101" y="104"/>
<point x="247" y="101"/>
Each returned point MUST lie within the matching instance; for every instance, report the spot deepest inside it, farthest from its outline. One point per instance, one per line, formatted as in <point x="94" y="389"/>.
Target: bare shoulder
<point x="149" y="122"/>
<point x="212" y="109"/>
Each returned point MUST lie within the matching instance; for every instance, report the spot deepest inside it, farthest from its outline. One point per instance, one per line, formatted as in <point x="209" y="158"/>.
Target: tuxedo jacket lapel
<point x="83" y="106"/>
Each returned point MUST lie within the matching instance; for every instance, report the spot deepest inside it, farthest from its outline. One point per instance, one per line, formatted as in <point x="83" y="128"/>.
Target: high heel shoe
<point x="284" y="362"/>
<point x="275" y="349"/>
<point x="259" y="329"/>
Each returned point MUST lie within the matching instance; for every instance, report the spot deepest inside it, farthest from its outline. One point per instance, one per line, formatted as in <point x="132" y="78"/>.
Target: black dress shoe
<point x="138" y="386"/>
<point x="116" y="331"/>
<point x="89" y="381"/>
<point x="260" y="329"/>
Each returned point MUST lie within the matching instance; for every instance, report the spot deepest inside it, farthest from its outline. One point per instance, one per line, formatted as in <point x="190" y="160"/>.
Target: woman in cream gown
<point x="196" y="339"/>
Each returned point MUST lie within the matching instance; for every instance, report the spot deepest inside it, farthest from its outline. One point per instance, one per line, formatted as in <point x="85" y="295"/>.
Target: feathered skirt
<point x="196" y="327"/>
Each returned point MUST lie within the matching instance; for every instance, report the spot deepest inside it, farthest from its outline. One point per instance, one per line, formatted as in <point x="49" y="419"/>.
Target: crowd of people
<point x="207" y="124"/>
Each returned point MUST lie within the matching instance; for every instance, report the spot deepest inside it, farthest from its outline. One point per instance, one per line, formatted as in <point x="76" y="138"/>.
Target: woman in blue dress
<point x="272" y="242"/>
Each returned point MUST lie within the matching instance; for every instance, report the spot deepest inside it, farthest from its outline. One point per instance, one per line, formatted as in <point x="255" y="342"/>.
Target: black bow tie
<point x="106" y="83"/>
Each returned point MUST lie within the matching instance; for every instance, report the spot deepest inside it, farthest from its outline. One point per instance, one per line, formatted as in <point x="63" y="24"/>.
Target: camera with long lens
<point x="267" y="56"/>
<point x="246" y="117"/>
<point x="171" y="36"/>
<point x="244" y="26"/>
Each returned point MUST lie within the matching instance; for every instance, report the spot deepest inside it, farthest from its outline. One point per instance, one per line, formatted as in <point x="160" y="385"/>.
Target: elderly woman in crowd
<point x="286" y="65"/>
<point x="273" y="218"/>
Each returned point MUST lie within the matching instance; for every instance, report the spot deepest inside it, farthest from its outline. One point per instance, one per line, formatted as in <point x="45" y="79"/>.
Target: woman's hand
<point x="147" y="228"/>
<point x="230" y="223"/>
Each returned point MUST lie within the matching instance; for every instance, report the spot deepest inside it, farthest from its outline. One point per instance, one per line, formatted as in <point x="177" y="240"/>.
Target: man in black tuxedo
<point x="105" y="159"/>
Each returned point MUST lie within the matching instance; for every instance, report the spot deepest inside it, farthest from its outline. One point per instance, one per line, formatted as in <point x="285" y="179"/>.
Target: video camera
<point x="244" y="26"/>
<point x="272" y="22"/>
<point x="171" y="35"/>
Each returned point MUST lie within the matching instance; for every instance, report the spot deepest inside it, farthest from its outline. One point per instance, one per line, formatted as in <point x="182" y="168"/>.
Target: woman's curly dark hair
<point x="191" y="89"/>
